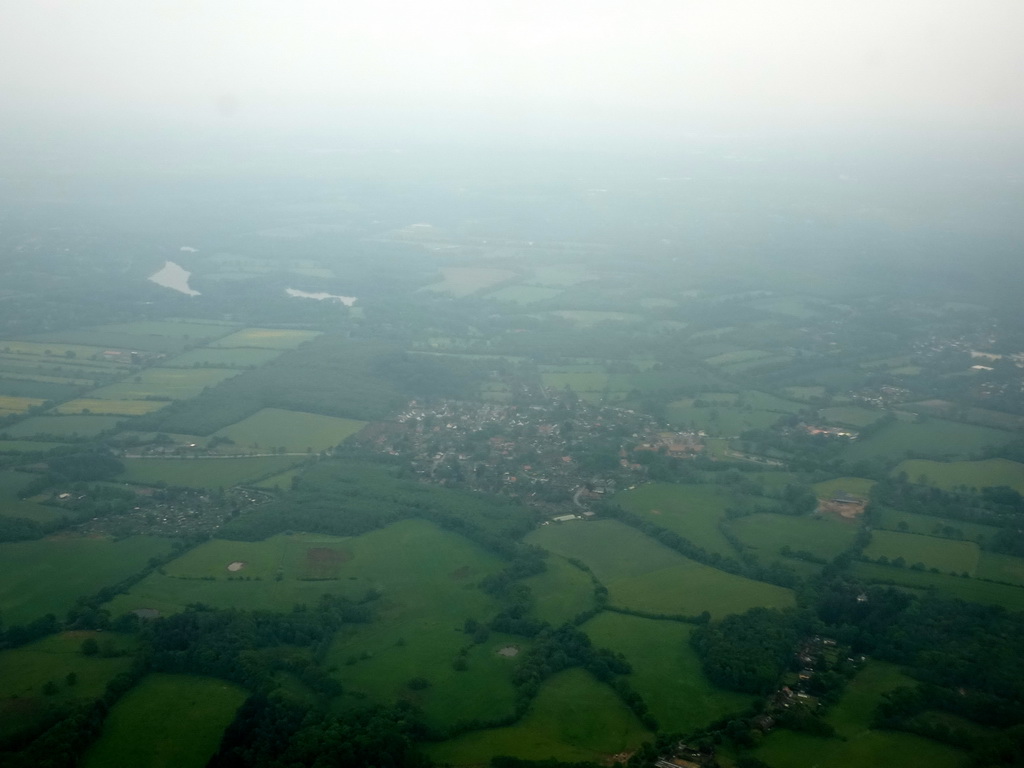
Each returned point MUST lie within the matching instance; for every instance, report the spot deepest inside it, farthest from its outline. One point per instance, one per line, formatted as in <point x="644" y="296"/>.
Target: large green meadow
<point x="973" y="474"/>
<point x="947" y="555"/>
<point x="971" y="590"/>
<point x="61" y="427"/>
<point x="666" y="670"/>
<point x="574" y="718"/>
<point x="766" y="534"/>
<point x="57" y="659"/>
<point x="695" y="512"/>
<point x="292" y="430"/>
<point x="643" y="575"/>
<point x="164" y="383"/>
<point x="934" y="438"/>
<point x="49" y="575"/>
<point x="166" y="721"/>
<point x="206" y="472"/>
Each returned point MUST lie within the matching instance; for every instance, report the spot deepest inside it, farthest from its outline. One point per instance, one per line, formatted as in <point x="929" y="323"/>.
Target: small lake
<point x="348" y="301"/>
<point x="174" y="277"/>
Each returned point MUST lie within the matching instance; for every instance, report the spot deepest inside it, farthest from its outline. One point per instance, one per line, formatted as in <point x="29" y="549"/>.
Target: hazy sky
<point x="557" y="69"/>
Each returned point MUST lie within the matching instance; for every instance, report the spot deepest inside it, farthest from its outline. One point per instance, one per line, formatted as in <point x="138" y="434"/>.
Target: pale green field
<point x="740" y="356"/>
<point x="588" y="318"/>
<point x="972" y="590"/>
<point x="63" y="426"/>
<point x="574" y="718"/>
<point x="524" y="294"/>
<point x="47" y="576"/>
<point x="27" y="446"/>
<point x="10" y="404"/>
<point x="561" y="593"/>
<point x="935" y="438"/>
<point x="998" y="567"/>
<point x="266" y="338"/>
<point x="213" y="472"/>
<point x="166" y="721"/>
<point x="222" y="357"/>
<point x="666" y="670"/>
<point x="891" y="519"/>
<point x="25" y="670"/>
<point x="644" y="575"/>
<point x="945" y="554"/>
<point x="174" y="383"/>
<point x="293" y="430"/>
<point x="693" y="511"/>
<point x="766" y="534"/>
<point x="974" y="474"/>
<point x="88" y="405"/>
<point x="462" y="281"/>
<point x="851" y="415"/>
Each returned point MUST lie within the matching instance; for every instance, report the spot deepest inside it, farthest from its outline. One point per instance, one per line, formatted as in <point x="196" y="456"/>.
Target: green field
<point x="935" y="438"/>
<point x="62" y="426"/>
<point x="25" y="670"/>
<point x="524" y="294"/>
<point x="589" y="318"/>
<point x="581" y="382"/>
<point x="462" y="281"/>
<point x="644" y="575"/>
<point x="695" y="512"/>
<point x="973" y="474"/>
<point x="27" y="446"/>
<point x="46" y="576"/>
<point x="9" y="405"/>
<point x="293" y="430"/>
<point x="945" y="554"/>
<point x="718" y="420"/>
<point x="173" y="383"/>
<point x="859" y="487"/>
<point x="166" y="721"/>
<point x="766" y="534"/>
<point x="574" y="718"/>
<point x="222" y="357"/>
<point x="210" y="473"/>
<point x="266" y="338"/>
<point x="858" y="745"/>
<point x="911" y="522"/>
<point x="998" y="567"/>
<point x="561" y="592"/>
<point x="282" y="481"/>
<point x="972" y="590"/>
<point x="739" y="356"/>
<point x="89" y="405"/>
<point x="666" y="670"/>
<point x="850" y="415"/>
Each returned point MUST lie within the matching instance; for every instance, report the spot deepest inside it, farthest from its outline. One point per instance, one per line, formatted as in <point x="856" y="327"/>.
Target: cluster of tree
<point x="203" y="640"/>
<point x="747" y="652"/>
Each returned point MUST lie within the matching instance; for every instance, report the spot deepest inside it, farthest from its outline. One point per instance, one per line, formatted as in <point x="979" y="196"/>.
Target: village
<point x="561" y="452"/>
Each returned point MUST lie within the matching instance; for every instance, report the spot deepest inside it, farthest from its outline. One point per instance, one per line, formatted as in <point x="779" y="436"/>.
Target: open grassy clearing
<point x="47" y="576"/>
<point x="972" y="590"/>
<point x="48" y="349"/>
<point x="999" y="567"/>
<point x="165" y="721"/>
<point x="89" y="405"/>
<point x="17" y="404"/>
<point x="666" y="670"/>
<point x="266" y="338"/>
<point x="25" y="670"/>
<point x="859" y="487"/>
<point x="562" y="592"/>
<point x="767" y="533"/>
<point x="739" y="356"/>
<point x="791" y="306"/>
<point x="559" y="275"/>
<point x="927" y="525"/>
<point x="723" y="421"/>
<point x="293" y="430"/>
<point x="695" y="512"/>
<point x="973" y="474"/>
<point x="222" y="357"/>
<point x="577" y="382"/>
<point x="737" y="368"/>
<point x="524" y="294"/>
<point x="945" y="554"/>
<point x="936" y="438"/>
<point x="210" y="472"/>
<point x="173" y="383"/>
<point x="574" y="718"/>
<point x="850" y="415"/>
<point x="282" y="481"/>
<point x="805" y="394"/>
<point x="67" y="380"/>
<point x="462" y="281"/>
<point x="62" y="426"/>
<point x="858" y="745"/>
<point x="644" y="575"/>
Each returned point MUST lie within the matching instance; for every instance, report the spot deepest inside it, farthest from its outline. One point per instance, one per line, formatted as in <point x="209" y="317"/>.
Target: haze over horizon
<point x="653" y="75"/>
